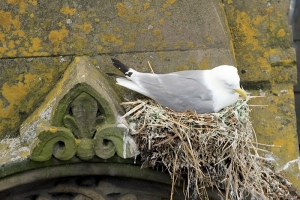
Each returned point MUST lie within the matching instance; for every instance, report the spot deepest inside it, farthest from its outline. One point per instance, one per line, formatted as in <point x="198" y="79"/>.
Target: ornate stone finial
<point x="80" y="116"/>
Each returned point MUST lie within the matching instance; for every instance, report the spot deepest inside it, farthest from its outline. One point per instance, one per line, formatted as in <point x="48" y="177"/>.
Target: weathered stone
<point x="172" y="35"/>
<point x="85" y="149"/>
<point x="90" y="27"/>
<point x="24" y="83"/>
<point x="261" y="39"/>
<point x="112" y="139"/>
<point x="28" y="29"/>
<point x="79" y="77"/>
<point x="84" y="115"/>
<point x="58" y="142"/>
<point x="262" y="43"/>
<point x="12" y="150"/>
<point x="278" y="126"/>
<point x="80" y="115"/>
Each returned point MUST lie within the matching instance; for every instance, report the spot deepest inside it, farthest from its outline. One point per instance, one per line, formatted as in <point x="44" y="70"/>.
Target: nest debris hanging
<point x="216" y="150"/>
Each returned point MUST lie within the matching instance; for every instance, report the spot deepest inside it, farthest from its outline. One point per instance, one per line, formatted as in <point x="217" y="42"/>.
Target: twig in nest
<point x="165" y="141"/>
<point x="150" y="67"/>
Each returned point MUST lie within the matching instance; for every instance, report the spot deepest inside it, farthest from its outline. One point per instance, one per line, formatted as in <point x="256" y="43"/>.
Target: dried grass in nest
<point x="216" y="150"/>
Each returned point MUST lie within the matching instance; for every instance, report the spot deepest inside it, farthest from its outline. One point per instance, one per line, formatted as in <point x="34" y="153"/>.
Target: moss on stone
<point x="55" y="141"/>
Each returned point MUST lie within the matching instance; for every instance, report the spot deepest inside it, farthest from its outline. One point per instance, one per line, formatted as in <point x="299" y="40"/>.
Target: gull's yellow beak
<point x="241" y="92"/>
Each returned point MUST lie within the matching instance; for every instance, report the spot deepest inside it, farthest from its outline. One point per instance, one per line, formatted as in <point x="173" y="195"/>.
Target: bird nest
<point x="217" y="150"/>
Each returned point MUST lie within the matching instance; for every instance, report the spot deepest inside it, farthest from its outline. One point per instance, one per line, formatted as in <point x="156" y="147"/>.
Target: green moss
<point x="52" y="140"/>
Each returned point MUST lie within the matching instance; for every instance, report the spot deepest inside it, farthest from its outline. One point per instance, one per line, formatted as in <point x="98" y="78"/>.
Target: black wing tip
<point x="114" y="60"/>
<point x="120" y="66"/>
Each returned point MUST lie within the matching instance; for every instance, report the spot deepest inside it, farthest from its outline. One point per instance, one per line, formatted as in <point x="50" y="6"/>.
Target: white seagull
<point x="203" y="91"/>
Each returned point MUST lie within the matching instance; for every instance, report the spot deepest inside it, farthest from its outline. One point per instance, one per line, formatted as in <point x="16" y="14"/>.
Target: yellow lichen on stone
<point x="53" y="130"/>
<point x="167" y="13"/>
<point x="121" y="9"/>
<point x="132" y="14"/>
<point x="274" y="124"/>
<point x="285" y="147"/>
<point x="99" y="48"/>
<point x="151" y="13"/>
<point x="66" y="10"/>
<point x="57" y="37"/>
<point x="157" y="33"/>
<point x="7" y="22"/>
<point x="204" y="64"/>
<point x="171" y="1"/>
<point x="3" y="50"/>
<point x="35" y="45"/>
<point x="248" y="32"/>
<point x="81" y="42"/>
<point x="135" y="18"/>
<point x="146" y="6"/>
<point x="77" y="142"/>
<point x="179" y="44"/>
<point x="25" y="154"/>
<point x="33" y="2"/>
<point x="19" y="33"/>
<point x="251" y="45"/>
<point x="207" y="38"/>
<point x="14" y="94"/>
<point x="23" y="93"/>
<point x="281" y="32"/>
<point x="2" y="38"/>
<point x="182" y="68"/>
<point x="111" y="38"/>
<point x="159" y="45"/>
<point x="128" y="47"/>
<point x="21" y="3"/>
<point x="190" y="44"/>
<point x="258" y="19"/>
<point x="165" y="5"/>
<point x="11" y="44"/>
<point x="11" y="53"/>
<point x="86" y="27"/>
<point x="161" y="21"/>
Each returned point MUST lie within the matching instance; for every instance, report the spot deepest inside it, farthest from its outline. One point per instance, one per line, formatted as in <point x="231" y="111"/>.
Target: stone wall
<point x="39" y="39"/>
<point x="262" y="40"/>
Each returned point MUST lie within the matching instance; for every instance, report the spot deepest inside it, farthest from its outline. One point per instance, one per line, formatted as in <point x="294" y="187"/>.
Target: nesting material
<point x="216" y="150"/>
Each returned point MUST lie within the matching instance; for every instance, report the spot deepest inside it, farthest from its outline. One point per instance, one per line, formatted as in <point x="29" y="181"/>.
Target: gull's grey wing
<point x="179" y="90"/>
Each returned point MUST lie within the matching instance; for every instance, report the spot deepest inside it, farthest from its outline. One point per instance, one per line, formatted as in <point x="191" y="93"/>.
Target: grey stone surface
<point x="91" y="27"/>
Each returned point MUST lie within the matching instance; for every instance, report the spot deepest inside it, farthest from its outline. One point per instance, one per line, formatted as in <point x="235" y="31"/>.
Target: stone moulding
<point x="80" y="116"/>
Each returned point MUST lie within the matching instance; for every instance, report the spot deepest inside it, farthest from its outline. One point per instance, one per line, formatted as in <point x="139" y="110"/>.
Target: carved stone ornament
<point x="81" y="117"/>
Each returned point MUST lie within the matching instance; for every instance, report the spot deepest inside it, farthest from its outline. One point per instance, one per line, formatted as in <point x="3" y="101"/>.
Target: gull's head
<point x="227" y="77"/>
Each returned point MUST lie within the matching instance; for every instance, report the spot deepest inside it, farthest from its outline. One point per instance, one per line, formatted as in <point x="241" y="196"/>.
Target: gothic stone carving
<point x="80" y="117"/>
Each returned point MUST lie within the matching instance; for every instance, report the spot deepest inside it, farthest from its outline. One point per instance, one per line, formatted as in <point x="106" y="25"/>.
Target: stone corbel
<point x="80" y="117"/>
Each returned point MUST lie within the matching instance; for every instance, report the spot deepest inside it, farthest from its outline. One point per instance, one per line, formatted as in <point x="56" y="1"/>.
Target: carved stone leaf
<point x="56" y="141"/>
<point x="71" y="123"/>
<point x="111" y="139"/>
<point x="108" y="141"/>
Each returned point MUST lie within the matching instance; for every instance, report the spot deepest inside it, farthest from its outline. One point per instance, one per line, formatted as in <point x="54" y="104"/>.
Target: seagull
<point x="203" y="91"/>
